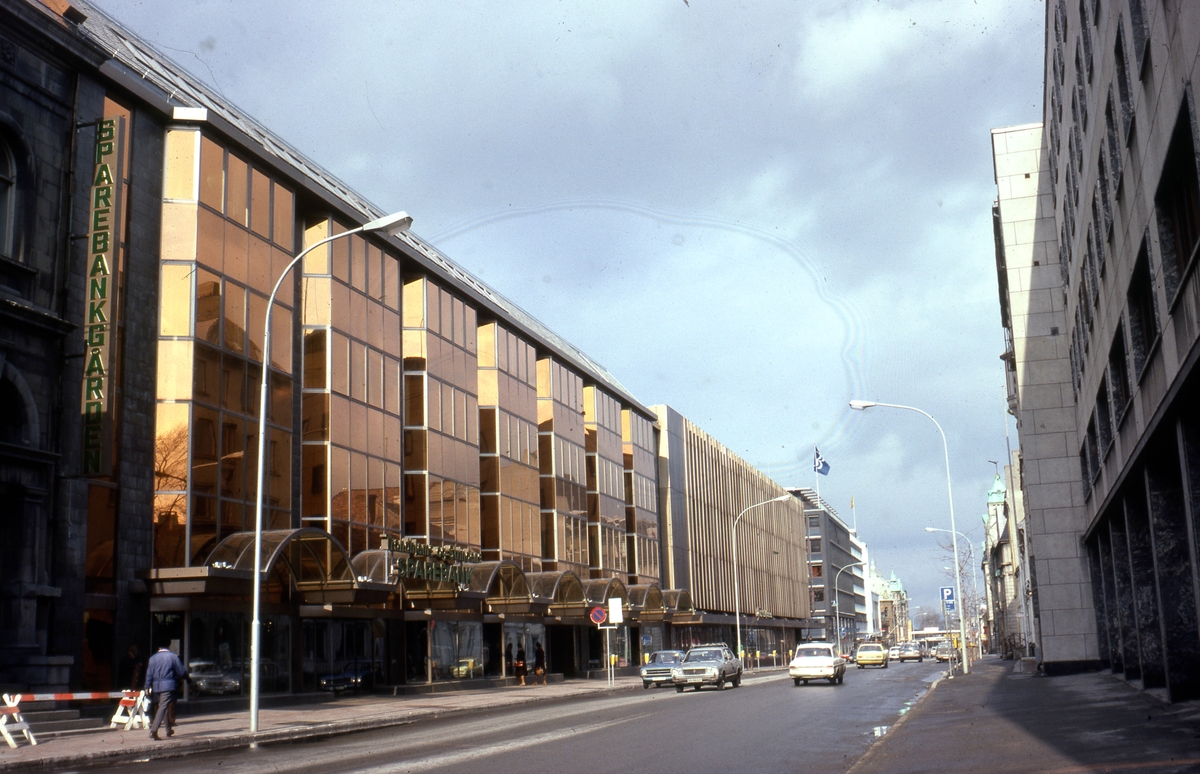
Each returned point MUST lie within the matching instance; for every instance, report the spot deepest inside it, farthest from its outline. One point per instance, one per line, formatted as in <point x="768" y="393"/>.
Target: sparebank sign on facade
<point x="104" y="238"/>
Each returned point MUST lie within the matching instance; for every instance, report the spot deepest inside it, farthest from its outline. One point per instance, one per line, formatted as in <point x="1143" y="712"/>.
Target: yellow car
<point x="871" y="653"/>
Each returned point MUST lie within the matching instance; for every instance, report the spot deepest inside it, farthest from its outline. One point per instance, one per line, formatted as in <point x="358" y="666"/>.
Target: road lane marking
<point x="463" y="756"/>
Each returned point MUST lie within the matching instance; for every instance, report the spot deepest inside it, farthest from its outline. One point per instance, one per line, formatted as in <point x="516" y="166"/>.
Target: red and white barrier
<point x="132" y="710"/>
<point x="12" y="722"/>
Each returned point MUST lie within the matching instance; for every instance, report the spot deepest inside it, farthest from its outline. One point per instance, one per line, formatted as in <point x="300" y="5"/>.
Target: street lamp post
<point x="974" y="582"/>
<point x="862" y="405"/>
<point x="389" y="225"/>
<point x="837" y="608"/>
<point x="737" y="607"/>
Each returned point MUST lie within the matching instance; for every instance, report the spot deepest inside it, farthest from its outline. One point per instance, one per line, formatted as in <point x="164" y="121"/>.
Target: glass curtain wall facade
<point x="641" y="497"/>
<point x="561" y="456"/>
<point x="227" y="232"/>
<point x="351" y="411"/>
<point x="510" y="503"/>
<point x="441" y="422"/>
<point x="605" y="484"/>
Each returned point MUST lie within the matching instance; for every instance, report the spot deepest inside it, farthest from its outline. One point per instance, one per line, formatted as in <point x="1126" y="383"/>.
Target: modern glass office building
<point x="447" y="482"/>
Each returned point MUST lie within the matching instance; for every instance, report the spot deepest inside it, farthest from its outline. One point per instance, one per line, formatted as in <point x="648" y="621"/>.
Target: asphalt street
<point x="778" y="727"/>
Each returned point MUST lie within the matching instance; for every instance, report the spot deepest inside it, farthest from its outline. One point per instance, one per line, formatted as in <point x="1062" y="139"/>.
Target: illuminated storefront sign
<point x="432" y="563"/>
<point x="104" y="238"/>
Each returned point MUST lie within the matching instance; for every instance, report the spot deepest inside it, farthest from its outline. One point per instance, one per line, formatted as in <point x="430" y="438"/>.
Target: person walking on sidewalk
<point x="539" y="663"/>
<point x="164" y="676"/>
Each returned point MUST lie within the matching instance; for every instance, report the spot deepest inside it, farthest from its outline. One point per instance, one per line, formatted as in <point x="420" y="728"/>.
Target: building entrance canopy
<point x="317" y="567"/>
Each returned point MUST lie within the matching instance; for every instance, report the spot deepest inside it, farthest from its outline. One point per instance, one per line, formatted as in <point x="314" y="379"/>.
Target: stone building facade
<point x="1108" y="187"/>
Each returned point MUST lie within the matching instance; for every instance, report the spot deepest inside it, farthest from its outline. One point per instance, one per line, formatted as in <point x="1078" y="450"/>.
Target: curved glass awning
<point x="562" y="590"/>
<point x="646" y="602"/>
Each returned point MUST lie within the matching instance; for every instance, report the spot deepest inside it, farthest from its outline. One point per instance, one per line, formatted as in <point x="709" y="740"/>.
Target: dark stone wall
<point x="36" y="115"/>
<point x="139" y="356"/>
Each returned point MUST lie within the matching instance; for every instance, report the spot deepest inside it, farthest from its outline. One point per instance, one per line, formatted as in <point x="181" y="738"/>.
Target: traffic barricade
<point x="132" y="710"/>
<point x="11" y="721"/>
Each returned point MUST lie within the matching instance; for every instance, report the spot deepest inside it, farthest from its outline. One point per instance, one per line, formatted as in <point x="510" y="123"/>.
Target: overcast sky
<point x="753" y="212"/>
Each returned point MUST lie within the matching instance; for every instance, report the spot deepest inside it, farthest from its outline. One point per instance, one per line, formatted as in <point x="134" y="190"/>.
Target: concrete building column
<point x="1123" y="595"/>
<point x="1174" y="569"/>
<point x="1145" y="593"/>
<point x="1111" y="610"/>
<point x="1103" y="636"/>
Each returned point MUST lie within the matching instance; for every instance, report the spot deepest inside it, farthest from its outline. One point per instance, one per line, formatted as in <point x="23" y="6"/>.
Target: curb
<point x="166" y="750"/>
<point x="879" y="744"/>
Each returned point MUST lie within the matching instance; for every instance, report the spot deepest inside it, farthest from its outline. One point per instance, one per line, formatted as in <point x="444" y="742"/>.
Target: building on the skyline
<point x="836" y="572"/>
<point x="447" y="481"/>
<point x="1096" y="233"/>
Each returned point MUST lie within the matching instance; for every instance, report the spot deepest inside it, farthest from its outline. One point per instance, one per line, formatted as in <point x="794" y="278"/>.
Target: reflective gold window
<point x="351" y="482"/>
<point x="215" y="279"/>
<point x="441" y="422"/>
<point x="561" y="462"/>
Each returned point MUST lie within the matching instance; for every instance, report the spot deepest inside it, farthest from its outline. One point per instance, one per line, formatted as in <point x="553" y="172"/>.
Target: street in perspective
<point x="794" y="387"/>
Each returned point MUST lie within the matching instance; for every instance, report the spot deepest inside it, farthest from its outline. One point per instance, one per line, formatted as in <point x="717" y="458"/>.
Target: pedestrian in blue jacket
<point x="164" y="679"/>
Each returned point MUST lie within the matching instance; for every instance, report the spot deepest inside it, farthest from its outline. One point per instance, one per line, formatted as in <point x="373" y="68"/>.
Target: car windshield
<point x="704" y="655"/>
<point x="813" y="652"/>
<point x="664" y="658"/>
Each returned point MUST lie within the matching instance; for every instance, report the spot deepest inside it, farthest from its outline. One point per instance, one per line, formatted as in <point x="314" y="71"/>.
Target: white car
<point x="817" y="661"/>
<point x="893" y="653"/>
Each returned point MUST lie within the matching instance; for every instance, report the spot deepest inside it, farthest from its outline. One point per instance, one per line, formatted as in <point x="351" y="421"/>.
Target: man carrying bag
<point x="164" y="676"/>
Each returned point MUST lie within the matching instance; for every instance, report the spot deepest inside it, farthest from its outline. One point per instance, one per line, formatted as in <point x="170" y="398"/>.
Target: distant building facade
<point x="835" y="569"/>
<point x="703" y="488"/>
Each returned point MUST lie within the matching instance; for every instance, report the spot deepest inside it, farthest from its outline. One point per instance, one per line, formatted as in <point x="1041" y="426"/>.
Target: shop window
<point x="1143" y="314"/>
<point x="1177" y="203"/>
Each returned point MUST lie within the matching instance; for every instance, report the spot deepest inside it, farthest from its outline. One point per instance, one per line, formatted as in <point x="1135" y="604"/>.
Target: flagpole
<point x="817" y="476"/>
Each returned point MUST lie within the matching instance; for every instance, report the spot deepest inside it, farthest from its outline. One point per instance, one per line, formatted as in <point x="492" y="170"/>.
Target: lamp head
<point x="781" y="498"/>
<point x="931" y="529"/>
<point x="391" y="225"/>
<point x="861" y="405"/>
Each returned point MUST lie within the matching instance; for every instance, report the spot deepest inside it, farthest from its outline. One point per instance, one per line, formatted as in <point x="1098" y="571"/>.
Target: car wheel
<point x="646" y="685"/>
<point x="833" y="681"/>
<point x="737" y="680"/>
<point x="860" y="666"/>
<point x="796" y="680"/>
<point x="721" y="683"/>
<point x="806" y="681"/>
<point x="921" y="660"/>
<point x="841" y="678"/>
<point x="679" y="688"/>
<point x="885" y="665"/>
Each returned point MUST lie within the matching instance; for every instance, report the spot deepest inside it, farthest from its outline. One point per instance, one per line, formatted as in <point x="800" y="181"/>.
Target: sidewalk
<point x="997" y="721"/>
<point x="219" y="731"/>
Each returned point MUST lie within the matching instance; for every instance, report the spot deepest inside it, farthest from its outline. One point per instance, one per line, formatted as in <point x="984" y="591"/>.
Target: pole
<point x="837" y="608"/>
<point x="962" y="627"/>
<point x="737" y="607"/>
<point x="256" y="623"/>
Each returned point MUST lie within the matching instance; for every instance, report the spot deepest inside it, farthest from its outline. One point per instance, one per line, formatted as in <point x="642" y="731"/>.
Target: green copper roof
<point x="996" y="493"/>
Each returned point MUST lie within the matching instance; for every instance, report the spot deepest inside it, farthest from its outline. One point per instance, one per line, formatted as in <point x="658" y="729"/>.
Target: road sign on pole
<point x="947" y="593"/>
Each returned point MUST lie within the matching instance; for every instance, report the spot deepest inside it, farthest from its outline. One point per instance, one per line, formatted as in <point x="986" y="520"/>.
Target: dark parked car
<point x="354" y="677"/>
<point x="657" y="670"/>
<point x="207" y="677"/>
<point x="712" y="664"/>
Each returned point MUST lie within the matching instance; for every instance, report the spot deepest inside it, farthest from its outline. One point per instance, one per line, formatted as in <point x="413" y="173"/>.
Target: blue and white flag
<point x="819" y="463"/>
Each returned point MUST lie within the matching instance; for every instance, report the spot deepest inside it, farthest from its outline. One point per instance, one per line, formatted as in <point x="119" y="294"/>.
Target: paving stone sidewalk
<point x="999" y="721"/>
<point x="217" y="731"/>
